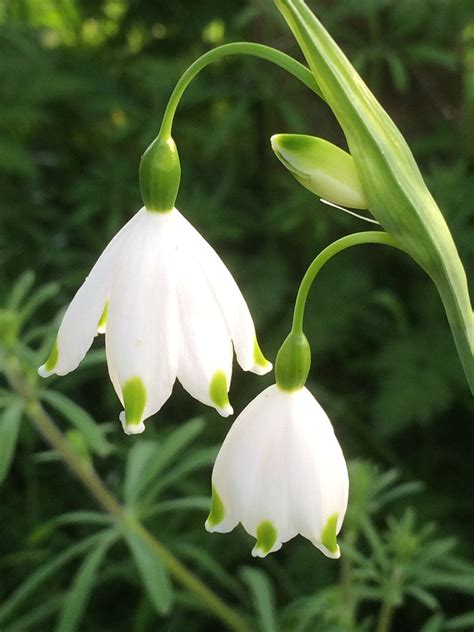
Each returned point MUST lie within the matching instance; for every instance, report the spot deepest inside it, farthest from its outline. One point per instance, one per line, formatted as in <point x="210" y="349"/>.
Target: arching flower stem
<point x="356" y="239"/>
<point x="268" y="53"/>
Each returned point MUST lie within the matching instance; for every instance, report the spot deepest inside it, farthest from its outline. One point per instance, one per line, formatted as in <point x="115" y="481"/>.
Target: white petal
<point x="280" y="471"/>
<point x="232" y="303"/>
<point x="205" y="358"/>
<point x="80" y="322"/>
<point x="142" y="334"/>
<point x="323" y="484"/>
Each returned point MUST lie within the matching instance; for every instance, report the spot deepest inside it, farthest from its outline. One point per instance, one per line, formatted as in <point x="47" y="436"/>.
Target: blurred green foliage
<point x="83" y="86"/>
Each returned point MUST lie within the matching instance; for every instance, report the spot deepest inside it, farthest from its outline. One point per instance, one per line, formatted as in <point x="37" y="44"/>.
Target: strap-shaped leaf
<point x="153" y="573"/>
<point x="78" y="595"/>
<point x="263" y="598"/>
<point x="42" y="574"/>
<point x="10" y="421"/>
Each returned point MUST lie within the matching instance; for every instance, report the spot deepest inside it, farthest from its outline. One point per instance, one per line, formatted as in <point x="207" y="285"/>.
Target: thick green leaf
<point x="10" y="422"/>
<point x="154" y="575"/>
<point x="78" y="594"/>
<point x="263" y="598"/>
<point x="93" y="433"/>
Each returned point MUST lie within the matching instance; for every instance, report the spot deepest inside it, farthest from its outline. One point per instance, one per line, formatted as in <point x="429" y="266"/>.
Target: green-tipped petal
<point x="134" y="401"/>
<point x="329" y="544"/>
<point x="392" y="183"/>
<point x="266" y="539"/>
<point x="262" y="365"/>
<point x="217" y="513"/>
<point x="47" y="369"/>
<point x="218" y="392"/>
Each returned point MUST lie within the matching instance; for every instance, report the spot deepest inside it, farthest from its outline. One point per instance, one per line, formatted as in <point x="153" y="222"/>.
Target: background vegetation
<point x="83" y="86"/>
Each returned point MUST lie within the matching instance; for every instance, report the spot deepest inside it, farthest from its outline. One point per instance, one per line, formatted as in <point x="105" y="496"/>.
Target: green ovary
<point x="266" y="536"/>
<point x="328" y="534"/>
<point x="53" y="357"/>
<point x="217" y="513"/>
<point x="218" y="390"/>
<point x="134" y="400"/>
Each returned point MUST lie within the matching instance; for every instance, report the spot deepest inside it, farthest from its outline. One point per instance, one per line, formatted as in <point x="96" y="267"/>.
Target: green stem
<point x="91" y="481"/>
<point x="387" y="609"/>
<point x="273" y="55"/>
<point x="367" y="237"/>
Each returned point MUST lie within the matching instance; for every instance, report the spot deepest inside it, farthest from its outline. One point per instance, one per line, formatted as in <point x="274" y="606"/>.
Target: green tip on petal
<point x="48" y="367"/>
<point x="134" y="400"/>
<point x="219" y="395"/>
<point x="217" y="513"/>
<point x="266" y="538"/>
<point x="259" y="359"/>
<point x="328" y="535"/>
<point x="103" y="319"/>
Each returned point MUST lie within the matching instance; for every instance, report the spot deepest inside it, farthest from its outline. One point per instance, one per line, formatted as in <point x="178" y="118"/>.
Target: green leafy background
<point x="83" y="86"/>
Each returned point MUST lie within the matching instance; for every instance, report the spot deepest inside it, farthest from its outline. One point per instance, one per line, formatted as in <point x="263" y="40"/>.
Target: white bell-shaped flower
<point x="281" y="472"/>
<point x="169" y="309"/>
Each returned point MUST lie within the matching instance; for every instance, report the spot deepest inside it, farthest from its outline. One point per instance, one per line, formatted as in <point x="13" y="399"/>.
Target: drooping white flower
<point x="281" y="472"/>
<point x="169" y="309"/>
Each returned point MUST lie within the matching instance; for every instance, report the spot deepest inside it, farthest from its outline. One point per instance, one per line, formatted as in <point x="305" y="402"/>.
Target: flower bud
<point x="160" y="174"/>
<point x="321" y="167"/>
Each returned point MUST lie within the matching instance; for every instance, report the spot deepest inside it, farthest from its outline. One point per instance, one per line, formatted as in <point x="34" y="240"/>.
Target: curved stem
<point x="273" y="55"/>
<point x="91" y="481"/>
<point x="367" y="237"/>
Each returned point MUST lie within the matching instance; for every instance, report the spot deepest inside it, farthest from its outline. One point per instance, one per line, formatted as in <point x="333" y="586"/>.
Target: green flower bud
<point x="391" y="180"/>
<point x="321" y="167"/>
<point x="293" y="362"/>
<point x="160" y="174"/>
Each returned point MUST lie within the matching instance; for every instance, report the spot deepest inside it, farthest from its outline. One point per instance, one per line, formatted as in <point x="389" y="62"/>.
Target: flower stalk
<point x="293" y="67"/>
<point x="92" y="482"/>
<point x="356" y="239"/>
<point x="391" y="180"/>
